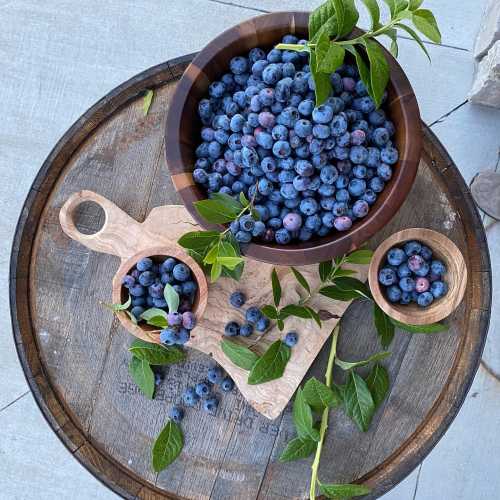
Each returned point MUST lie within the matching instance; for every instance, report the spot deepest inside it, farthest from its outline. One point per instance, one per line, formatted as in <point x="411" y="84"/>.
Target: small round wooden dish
<point x="130" y="240"/>
<point x="183" y="126"/>
<point x="456" y="277"/>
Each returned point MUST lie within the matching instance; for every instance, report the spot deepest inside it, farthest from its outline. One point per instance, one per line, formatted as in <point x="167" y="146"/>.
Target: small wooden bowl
<point x="456" y="277"/>
<point x="182" y="135"/>
<point x="123" y="236"/>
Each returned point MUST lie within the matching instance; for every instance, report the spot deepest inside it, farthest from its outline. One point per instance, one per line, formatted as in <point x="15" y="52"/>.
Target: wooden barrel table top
<point x="74" y="353"/>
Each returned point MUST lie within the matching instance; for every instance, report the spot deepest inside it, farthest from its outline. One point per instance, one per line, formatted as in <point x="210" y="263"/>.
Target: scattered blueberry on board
<point x="411" y="274"/>
<point x="311" y="170"/>
<point x="146" y="282"/>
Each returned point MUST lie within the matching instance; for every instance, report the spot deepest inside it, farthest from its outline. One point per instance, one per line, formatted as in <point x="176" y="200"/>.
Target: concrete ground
<point x="58" y="57"/>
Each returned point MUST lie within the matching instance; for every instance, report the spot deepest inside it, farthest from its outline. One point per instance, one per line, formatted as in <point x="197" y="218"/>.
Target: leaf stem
<point x="324" y="417"/>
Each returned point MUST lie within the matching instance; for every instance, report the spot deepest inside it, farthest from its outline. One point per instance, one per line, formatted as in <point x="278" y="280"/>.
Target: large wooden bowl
<point x="456" y="277"/>
<point x="182" y="135"/>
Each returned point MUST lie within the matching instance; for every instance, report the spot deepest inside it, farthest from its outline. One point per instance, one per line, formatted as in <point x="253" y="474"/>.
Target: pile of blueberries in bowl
<point x="412" y="275"/>
<point x="311" y="171"/>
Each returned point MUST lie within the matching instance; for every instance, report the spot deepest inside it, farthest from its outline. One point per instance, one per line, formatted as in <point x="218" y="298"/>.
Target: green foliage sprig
<point x="218" y="252"/>
<point x="334" y="20"/>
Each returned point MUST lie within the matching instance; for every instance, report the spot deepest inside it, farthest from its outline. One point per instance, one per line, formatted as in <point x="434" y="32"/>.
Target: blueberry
<point x="389" y="155"/>
<point x="275" y="222"/>
<point x="227" y="384"/>
<point x="202" y="389"/>
<point x="137" y="290"/>
<point x="291" y="339"/>
<point x="328" y="174"/>
<point x="349" y="84"/>
<point x="426" y="252"/>
<point x="342" y="195"/>
<point x="169" y="336"/>
<point x="407" y="284"/>
<point x="247" y="222"/>
<point x="282" y="149"/>
<point x="258" y="68"/>
<point x="327" y="190"/>
<point x="338" y="125"/>
<point x="237" y="299"/>
<point x="403" y="270"/>
<point x="238" y="65"/>
<point x="415" y="262"/>
<point x="304" y="168"/>
<point x="328" y="220"/>
<point x="438" y="289"/>
<point x="360" y="208"/>
<point x="394" y="293"/>
<point x="279" y="133"/>
<point x="205" y="109"/>
<point x="421" y="284"/>
<point x="246" y="330"/>
<point x="144" y="264"/>
<point x="183" y="336"/>
<point x="322" y="114"/>
<point x="174" y="319"/>
<point x="136" y="311"/>
<point x="425" y="299"/>
<point x="288" y="191"/>
<point x="370" y="196"/>
<point x="263" y="324"/>
<point x="387" y="276"/>
<point x="190" y="397"/>
<point x="160" y="303"/>
<point x="396" y="256"/>
<point x="253" y="315"/>
<point x="292" y="221"/>
<point x="138" y="301"/>
<point x="358" y="137"/>
<point x="268" y="236"/>
<point x="188" y="320"/>
<point x="412" y="248"/>
<point x="384" y="172"/>
<point x="128" y="281"/>
<point x="306" y="107"/>
<point x="210" y="405"/>
<point x="283" y="236"/>
<point x="321" y="131"/>
<point x="438" y="268"/>
<point x="301" y="183"/>
<point x="357" y="187"/>
<point x="181" y="272"/>
<point x="309" y="206"/>
<point x="176" y="413"/>
<point x="215" y="375"/>
<point x="271" y="74"/>
<point x="376" y="184"/>
<point x="342" y="223"/>
<point x="406" y="297"/>
<point x="380" y="136"/>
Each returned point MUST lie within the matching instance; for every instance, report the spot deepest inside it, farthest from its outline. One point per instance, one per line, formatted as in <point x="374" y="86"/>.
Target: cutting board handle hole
<point x="88" y="217"/>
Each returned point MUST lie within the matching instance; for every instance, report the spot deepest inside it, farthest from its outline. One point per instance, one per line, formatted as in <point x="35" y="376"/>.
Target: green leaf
<point x="347" y="16"/>
<point x="378" y="383"/>
<point x="363" y="256"/>
<point x="167" y="446"/>
<point x="374" y="11"/>
<point x="212" y="254"/>
<point x="415" y="4"/>
<point x="146" y="102"/>
<point x="425" y="22"/>
<point x="215" y="272"/>
<point x="155" y="317"/>
<point x="322" y="46"/>
<point x="230" y="262"/>
<point x="243" y="199"/>
<point x="333" y="59"/>
<point x="156" y="354"/>
<point x="198" y="240"/>
<point x="131" y="317"/>
<point x="432" y="328"/>
<point x="271" y="364"/>
<point x="280" y="324"/>
<point x="392" y="6"/>
<point x="270" y="311"/>
<point x="298" y="448"/>
<point x="401" y="5"/>
<point x="302" y="418"/>
<point x="321" y="82"/>
<point x="303" y="312"/>
<point x="300" y="278"/>
<point x="319" y="17"/>
<point x="119" y="307"/>
<point x="228" y="201"/>
<point x="348" y="284"/>
<point x="325" y="269"/>
<point x="392" y="34"/>
<point x="235" y="273"/>
<point x="385" y="329"/>
<point x="358" y="401"/>
<point x="319" y="396"/>
<point x="142" y="375"/>
<point x="415" y="37"/>
<point x="335" y="293"/>
<point x="276" y="287"/>
<point x="364" y="70"/>
<point x="314" y="315"/>
<point x="239" y="354"/>
<point x="297" y="47"/>
<point x="330" y="28"/>
<point x="379" y="70"/>
<point x="349" y="365"/>
<point x="343" y="272"/>
<point x="172" y="298"/>
<point x="343" y="491"/>
<point x="215" y="211"/>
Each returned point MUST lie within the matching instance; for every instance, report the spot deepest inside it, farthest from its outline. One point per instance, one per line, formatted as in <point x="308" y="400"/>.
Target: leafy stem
<point x="324" y="417"/>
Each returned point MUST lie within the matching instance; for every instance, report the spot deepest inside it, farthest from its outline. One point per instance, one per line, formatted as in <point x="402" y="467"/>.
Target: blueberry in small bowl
<point x="418" y="276"/>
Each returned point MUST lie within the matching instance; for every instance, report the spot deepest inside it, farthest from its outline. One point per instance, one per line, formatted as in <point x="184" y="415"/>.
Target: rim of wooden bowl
<point x="213" y="60"/>
<point x="144" y="332"/>
<point x="456" y="277"/>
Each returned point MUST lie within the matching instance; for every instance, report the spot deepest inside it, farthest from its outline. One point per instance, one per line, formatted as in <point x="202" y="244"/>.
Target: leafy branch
<point x="218" y="252"/>
<point x="334" y="20"/>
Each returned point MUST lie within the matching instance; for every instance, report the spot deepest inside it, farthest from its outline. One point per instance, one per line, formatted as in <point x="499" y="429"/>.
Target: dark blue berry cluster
<point x="253" y="316"/>
<point x="204" y="391"/>
<point x="145" y="284"/>
<point x="311" y="170"/>
<point x="410" y="274"/>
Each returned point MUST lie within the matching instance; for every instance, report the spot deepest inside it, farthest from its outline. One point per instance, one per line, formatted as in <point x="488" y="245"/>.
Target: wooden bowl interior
<point x="158" y="255"/>
<point x="183" y="135"/>
<point x="456" y="277"/>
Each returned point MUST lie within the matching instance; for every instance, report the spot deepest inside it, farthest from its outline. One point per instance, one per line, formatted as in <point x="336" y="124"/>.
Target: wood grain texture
<point x="75" y="356"/>
<point x="182" y="134"/>
<point x="456" y="277"/>
<point x="124" y="237"/>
